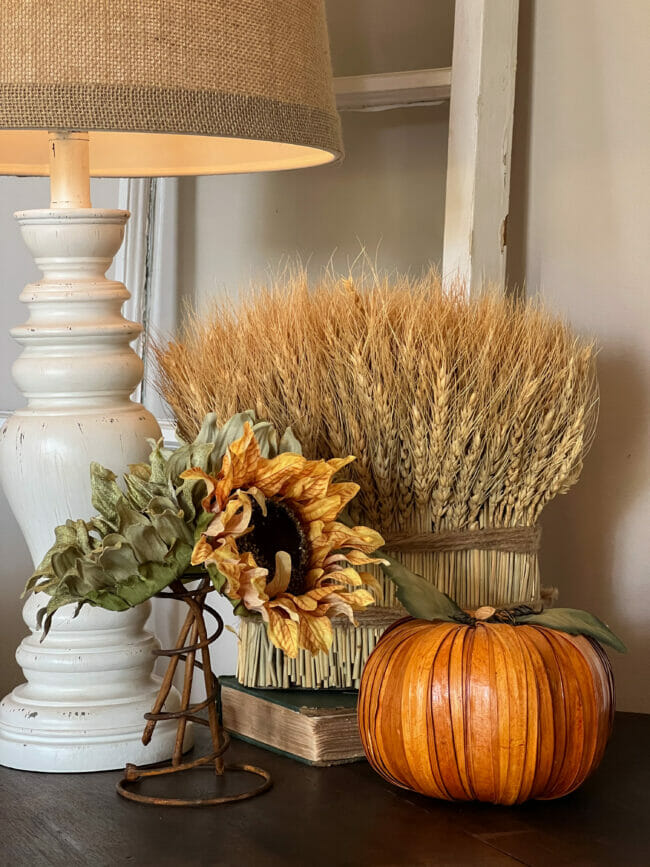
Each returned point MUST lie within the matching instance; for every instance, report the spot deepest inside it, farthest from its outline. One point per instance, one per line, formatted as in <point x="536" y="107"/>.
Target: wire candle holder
<point x="193" y="630"/>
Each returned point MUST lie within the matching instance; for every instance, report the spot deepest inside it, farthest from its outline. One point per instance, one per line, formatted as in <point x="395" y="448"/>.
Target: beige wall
<point x="579" y="233"/>
<point x="388" y="196"/>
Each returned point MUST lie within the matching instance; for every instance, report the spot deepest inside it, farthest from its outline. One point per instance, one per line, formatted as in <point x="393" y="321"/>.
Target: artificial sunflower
<point x="273" y="546"/>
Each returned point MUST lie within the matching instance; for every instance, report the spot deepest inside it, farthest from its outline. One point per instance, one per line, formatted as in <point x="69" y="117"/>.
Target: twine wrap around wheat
<point x="467" y="552"/>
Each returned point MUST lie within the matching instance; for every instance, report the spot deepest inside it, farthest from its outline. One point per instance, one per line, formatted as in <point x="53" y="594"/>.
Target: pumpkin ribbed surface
<point x="489" y="712"/>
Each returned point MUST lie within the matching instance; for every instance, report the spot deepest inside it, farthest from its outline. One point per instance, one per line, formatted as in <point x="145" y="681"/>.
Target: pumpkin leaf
<point x="420" y="598"/>
<point x="575" y="622"/>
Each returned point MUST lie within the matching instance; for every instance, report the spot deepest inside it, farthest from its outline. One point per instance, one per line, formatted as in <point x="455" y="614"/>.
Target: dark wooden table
<point x="331" y="816"/>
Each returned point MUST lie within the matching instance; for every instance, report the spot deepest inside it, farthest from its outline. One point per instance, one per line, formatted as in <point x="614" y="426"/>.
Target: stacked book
<point x="316" y="726"/>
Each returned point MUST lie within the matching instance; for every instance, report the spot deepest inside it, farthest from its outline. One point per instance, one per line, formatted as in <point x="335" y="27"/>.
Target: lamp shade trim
<point x="166" y="112"/>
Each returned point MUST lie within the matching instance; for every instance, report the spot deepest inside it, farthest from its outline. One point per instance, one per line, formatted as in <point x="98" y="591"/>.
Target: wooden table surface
<point x="330" y="816"/>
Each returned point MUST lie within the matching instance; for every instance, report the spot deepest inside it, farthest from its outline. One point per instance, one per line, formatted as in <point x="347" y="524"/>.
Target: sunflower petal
<point x="347" y="576"/>
<point x="272" y="474"/>
<point x="305" y="600"/>
<point x="201" y="552"/>
<point x="259" y="498"/>
<point x="369" y="580"/>
<point x="358" y="558"/>
<point x="315" y="634"/>
<point x="287" y="605"/>
<point x="244" y="457"/>
<point x="358" y="598"/>
<point x="282" y="575"/>
<point x="338" y="463"/>
<point x="362" y="538"/>
<point x="325" y="510"/>
<point x="339" y="607"/>
<point x="283" y="632"/>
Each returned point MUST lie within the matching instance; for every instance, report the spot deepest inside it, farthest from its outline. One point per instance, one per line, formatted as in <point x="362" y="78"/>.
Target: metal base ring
<point x="135" y="774"/>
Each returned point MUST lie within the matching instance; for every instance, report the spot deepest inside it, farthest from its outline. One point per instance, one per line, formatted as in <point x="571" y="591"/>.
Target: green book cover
<point x="299" y="699"/>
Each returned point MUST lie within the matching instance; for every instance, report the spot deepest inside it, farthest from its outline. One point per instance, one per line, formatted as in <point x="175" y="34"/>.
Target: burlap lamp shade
<point x="168" y="87"/>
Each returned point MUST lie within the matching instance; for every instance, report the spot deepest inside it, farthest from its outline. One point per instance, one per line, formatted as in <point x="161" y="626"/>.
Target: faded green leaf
<point x="105" y="492"/>
<point x="188" y="456"/>
<point x="139" y="492"/>
<point x="141" y="471"/>
<point x="64" y="560"/>
<point x="158" y="466"/>
<point x="119" y="561"/>
<point x="146" y="544"/>
<point x="420" y="598"/>
<point x="267" y="439"/>
<point x="289" y="443"/>
<point x="575" y="622"/>
<point x="169" y="525"/>
<point x="202" y="523"/>
<point x="189" y="495"/>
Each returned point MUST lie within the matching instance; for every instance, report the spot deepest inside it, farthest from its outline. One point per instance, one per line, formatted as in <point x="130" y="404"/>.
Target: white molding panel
<point x="480" y="138"/>
<point x="384" y="91"/>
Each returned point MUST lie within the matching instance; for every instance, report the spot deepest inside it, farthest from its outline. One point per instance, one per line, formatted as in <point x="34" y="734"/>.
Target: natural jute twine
<point x="514" y="540"/>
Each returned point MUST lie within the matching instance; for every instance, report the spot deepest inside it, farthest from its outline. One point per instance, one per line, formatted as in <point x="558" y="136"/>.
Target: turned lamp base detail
<point x="91" y="679"/>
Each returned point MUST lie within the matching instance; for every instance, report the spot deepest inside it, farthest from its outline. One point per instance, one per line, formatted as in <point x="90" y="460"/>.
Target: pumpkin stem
<point x="507" y="614"/>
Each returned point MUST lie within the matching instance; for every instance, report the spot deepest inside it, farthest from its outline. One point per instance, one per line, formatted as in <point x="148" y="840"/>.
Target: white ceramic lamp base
<point x="90" y="681"/>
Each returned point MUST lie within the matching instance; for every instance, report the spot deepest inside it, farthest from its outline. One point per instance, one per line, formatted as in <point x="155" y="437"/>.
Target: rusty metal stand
<point x="194" y="626"/>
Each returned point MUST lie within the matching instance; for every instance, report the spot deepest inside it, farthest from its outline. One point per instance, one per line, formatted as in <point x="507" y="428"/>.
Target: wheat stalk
<point x="462" y="412"/>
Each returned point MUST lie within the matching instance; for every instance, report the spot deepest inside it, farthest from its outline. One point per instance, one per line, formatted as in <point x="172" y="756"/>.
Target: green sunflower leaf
<point x="420" y="598"/>
<point x="575" y="622"/>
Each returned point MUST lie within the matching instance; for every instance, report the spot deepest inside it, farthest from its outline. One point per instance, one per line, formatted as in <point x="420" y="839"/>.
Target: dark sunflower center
<point x="279" y="530"/>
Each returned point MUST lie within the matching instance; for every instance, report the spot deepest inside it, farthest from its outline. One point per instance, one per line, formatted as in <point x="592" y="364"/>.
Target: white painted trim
<point x="131" y="262"/>
<point x="392" y="89"/>
<point x="168" y="428"/>
<point x="480" y="138"/>
<point x="146" y="264"/>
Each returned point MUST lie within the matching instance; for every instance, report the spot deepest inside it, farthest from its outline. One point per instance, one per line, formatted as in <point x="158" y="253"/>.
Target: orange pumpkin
<point x="488" y="711"/>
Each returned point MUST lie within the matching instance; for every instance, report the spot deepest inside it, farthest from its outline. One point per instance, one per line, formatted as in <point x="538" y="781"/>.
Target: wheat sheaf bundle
<point x="464" y="413"/>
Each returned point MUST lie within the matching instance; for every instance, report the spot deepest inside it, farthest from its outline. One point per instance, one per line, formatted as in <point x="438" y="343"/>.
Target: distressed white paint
<point x="91" y="680"/>
<point x="480" y="139"/>
<point x="389" y="90"/>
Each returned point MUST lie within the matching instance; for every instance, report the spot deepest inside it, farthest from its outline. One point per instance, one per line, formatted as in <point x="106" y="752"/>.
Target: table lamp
<point x="120" y="88"/>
